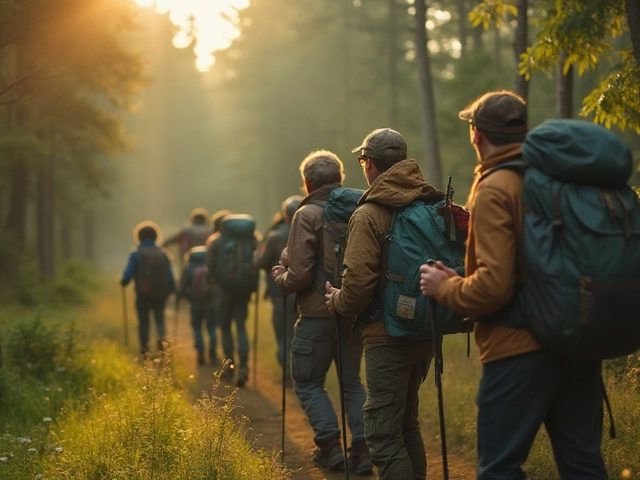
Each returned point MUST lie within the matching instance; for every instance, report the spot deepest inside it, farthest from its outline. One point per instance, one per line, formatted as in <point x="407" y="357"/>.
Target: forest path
<point x="260" y="401"/>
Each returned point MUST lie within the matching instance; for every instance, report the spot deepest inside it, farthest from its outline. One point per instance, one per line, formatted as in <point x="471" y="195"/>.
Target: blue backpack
<point x="581" y="241"/>
<point x="419" y="232"/>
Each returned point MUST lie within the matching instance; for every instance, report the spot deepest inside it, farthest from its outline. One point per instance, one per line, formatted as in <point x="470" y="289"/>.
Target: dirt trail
<point x="260" y="401"/>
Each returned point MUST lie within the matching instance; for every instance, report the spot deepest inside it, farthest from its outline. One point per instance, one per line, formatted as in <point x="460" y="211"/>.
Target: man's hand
<point x="329" y="296"/>
<point x="277" y="271"/>
<point x="431" y="276"/>
<point x="284" y="257"/>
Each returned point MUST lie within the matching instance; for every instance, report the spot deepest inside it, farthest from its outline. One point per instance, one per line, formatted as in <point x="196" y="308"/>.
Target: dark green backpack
<point x="338" y="208"/>
<point x="234" y="263"/>
<point x="581" y="241"/>
<point x="419" y="232"/>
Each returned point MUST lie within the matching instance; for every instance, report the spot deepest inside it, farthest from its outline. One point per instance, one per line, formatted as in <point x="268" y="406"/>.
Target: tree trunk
<point x="521" y="41"/>
<point x="476" y="34"/>
<point x="90" y="235"/>
<point x="393" y="63"/>
<point x="497" y="50"/>
<point x="18" y="194"/>
<point x="564" y="89"/>
<point x="429" y="125"/>
<point x="66" y="227"/>
<point x="45" y="217"/>
<point x="463" y="26"/>
<point x="633" y="22"/>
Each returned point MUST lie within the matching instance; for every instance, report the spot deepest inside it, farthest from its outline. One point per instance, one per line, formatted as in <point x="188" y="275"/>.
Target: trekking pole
<point x="341" y="388"/>
<point x="125" y="318"/>
<point x="175" y="319"/>
<point x="255" y="343"/>
<point x="438" y="364"/>
<point x="284" y="372"/>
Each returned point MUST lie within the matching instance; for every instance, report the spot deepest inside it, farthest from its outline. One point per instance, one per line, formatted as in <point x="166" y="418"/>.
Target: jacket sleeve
<point x="302" y="249"/>
<point x="177" y="238"/>
<point x="130" y="269"/>
<point x="491" y="285"/>
<point x="362" y="259"/>
<point x="263" y="259"/>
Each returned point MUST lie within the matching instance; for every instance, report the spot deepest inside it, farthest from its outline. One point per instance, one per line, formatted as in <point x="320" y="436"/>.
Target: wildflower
<point x="3" y="459"/>
<point x="38" y="477"/>
<point x="46" y="420"/>
<point x="32" y="450"/>
<point x="58" y="449"/>
<point x="24" y="440"/>
<point x="59" y="389"/>
<point x="61" y="369"/>
<point x="46" y="399"/>
<point x="93" y="361"/>
<point x="191" y="377"/>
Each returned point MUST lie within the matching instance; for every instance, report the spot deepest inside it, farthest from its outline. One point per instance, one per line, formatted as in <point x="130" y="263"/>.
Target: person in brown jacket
<point x="315" y="339"/>
<point x="395" y="366"/>
<point x="522" y="385"/>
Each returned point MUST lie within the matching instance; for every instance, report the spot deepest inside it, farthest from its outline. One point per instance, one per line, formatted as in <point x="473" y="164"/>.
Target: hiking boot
<point x="329" y="457"/>
<point x="243" y="377"/>
<point x="200" y="358"/>
<point x="359" y="461"/>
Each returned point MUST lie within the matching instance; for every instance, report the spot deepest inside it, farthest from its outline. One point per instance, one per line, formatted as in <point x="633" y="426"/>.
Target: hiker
<point x="230" y="269"/>
<point x="395" y="366"/>
<point x="523" y="385"/>
<point x="150" y="268"/>
<point x="315" y="340"/>
<point x="192" y="235"/>
<point x="266" y="259"/>
<point x="195" y="287"/>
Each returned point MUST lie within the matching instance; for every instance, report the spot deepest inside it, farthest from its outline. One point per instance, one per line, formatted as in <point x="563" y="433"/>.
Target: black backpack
<point x="152" y="273"/>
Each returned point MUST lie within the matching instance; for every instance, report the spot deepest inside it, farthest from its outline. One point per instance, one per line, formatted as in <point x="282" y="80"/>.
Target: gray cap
<point x="383" y="144"/>
<point x="502" y="112"/>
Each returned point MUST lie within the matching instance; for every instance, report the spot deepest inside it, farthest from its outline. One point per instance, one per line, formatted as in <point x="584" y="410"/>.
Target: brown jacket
<point x="494" y="259"/>
<point x="369" y="225"/>
<point x="304" y="248"/>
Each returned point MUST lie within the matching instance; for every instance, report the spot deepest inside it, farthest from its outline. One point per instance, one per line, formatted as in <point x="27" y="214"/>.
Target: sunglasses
<point x="363" y="160"/>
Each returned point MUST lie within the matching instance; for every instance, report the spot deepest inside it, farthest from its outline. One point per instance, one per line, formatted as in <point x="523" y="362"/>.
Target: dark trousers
<point x="144" y="306"/>
<point x="234" y="307"/>
<point x="203" y="312"/>
<point x="518" y="394"/>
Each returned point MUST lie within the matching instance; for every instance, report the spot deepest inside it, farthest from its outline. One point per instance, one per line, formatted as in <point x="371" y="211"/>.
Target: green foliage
<point x="492" y="13"/>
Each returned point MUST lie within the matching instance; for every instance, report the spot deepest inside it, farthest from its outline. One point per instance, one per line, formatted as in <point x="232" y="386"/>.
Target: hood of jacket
<point x="400" y="185"/>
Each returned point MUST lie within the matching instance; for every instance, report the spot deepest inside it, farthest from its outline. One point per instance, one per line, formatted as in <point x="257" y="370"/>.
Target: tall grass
<point x="78" y="410"/>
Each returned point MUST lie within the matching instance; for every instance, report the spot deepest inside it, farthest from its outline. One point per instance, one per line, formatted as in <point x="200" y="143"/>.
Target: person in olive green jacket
<point x="522" y="385"/>
<point x="395" y="367"/>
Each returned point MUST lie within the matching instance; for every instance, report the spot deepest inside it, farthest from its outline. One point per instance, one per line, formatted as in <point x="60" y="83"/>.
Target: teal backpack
<point x="234" y="265"/>
<point x="338" y="208"/>
<point x="419" y="232"/>
<point x="581" y="241"/>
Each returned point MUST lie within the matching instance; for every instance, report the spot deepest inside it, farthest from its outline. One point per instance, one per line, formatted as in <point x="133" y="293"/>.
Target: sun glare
<point x="213" y="24"/>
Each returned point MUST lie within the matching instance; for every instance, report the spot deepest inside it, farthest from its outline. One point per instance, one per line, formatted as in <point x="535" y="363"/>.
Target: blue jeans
<point x="234" y="306"/>
<point x="279" y="321"/>
<point x="144" y="306"/>
<point x="313" y="349"/>
<point x="202" y="311"/>
<point x="392" y="431"/>
<point x="518" y="394"/>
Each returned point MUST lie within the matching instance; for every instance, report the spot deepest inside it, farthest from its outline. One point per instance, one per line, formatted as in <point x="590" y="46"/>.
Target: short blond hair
<point x="322" y="167"/>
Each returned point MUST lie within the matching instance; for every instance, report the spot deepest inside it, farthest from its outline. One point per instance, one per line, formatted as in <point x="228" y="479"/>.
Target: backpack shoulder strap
<point x="517" y="164"/>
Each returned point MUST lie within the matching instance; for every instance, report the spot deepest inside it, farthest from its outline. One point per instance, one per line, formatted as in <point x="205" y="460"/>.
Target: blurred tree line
<point x="103" y="123"/>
